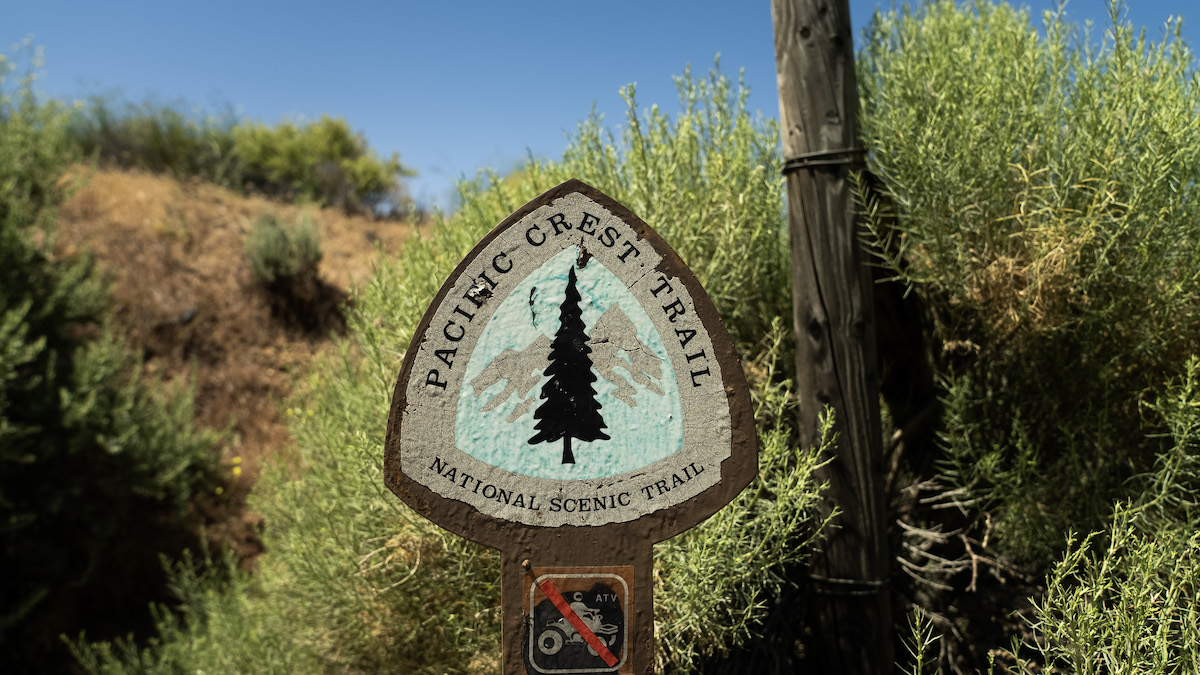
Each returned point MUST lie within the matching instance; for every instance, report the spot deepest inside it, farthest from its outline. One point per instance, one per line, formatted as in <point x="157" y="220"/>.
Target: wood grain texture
<point x="836" y="352"/>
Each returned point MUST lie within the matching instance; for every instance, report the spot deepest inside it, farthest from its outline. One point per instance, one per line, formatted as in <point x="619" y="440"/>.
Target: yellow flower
<point x="237" y="460"/>
<point x="220" y="490"/>
<point x="237" y="471"/>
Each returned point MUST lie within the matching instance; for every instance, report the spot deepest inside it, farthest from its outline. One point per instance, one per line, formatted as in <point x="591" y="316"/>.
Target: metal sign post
<point x="571" y="398"/>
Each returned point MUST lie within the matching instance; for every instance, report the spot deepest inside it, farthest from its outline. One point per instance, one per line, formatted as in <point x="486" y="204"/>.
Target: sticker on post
<point x="576" y="621"/>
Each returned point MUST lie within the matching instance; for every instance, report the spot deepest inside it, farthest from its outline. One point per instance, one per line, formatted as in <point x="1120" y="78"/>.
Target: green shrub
<point x="354" y="581"/>
<point x="158" y="137"/>
<point x="1124" y="600"/>
<point x="96" y="468"/>
<point x="280" y="253"/>
<point x="285" y="259"/>
<point x="211" y="623"/>
<point x="715" y="583"/>
<point x="322" y="162"/>
<point x="1042" y="199"/>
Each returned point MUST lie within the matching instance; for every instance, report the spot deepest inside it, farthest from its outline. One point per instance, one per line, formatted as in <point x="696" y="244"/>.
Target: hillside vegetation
<point x="321" y="161"/>
<point x="89" y="450"/>
<point x="1040" y="195"/>
<point x="141" y="367"/>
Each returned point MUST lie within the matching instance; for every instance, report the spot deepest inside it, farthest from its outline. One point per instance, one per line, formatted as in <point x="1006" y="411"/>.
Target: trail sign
<point x="571" y="397"/>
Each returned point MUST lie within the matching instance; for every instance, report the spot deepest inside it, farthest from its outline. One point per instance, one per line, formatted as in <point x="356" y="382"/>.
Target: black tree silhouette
<point x="570" y="409"/>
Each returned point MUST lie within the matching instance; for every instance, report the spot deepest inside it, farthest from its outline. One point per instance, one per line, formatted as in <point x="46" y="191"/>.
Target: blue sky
<point x="452" y="87"/>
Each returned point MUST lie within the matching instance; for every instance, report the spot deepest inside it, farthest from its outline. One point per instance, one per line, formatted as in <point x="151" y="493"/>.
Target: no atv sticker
<point x="575" y="620"/>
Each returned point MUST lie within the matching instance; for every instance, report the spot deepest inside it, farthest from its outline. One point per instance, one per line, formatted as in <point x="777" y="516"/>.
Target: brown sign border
<point x="736" y="471"/>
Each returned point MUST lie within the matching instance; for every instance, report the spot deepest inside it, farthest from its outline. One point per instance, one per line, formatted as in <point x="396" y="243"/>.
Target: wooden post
<point x="835" y="337"/>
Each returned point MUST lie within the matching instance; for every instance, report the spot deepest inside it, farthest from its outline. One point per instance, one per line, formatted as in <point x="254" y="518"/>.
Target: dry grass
<point x="184" y="294"/>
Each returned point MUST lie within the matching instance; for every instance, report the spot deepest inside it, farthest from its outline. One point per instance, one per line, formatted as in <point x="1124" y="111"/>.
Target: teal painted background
<point x="641" y="434"/>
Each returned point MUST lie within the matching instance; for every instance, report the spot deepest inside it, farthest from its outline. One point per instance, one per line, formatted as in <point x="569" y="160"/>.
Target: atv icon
<point x="560" y="631"/>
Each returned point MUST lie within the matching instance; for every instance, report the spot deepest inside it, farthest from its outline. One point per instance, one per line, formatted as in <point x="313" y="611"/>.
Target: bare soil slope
<point x="184" y="295"/>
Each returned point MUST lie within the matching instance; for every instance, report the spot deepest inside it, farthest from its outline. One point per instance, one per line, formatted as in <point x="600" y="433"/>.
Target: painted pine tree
<point x="570" y="409"/>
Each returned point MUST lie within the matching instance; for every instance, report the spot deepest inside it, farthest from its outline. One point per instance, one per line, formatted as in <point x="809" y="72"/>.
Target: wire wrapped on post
<point x="807" y="160"/>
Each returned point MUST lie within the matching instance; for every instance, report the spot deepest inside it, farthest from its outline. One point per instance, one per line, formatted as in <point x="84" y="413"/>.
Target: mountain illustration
<point x="614" y="336"/>
<point x="616" y="353"/>
<point x="521" y="370"/>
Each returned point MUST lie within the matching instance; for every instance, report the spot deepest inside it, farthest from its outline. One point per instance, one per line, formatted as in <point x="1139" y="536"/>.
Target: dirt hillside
<point x="184" y="296"/>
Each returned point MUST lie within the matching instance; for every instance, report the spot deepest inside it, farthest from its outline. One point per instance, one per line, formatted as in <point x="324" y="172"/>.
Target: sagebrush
<point x="1042" y="198"/>
<point x="279" y="251"/>
<point x="1036" y="188"/>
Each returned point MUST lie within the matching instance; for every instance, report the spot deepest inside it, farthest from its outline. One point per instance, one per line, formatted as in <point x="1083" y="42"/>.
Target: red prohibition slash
<point x="569" y="614"/>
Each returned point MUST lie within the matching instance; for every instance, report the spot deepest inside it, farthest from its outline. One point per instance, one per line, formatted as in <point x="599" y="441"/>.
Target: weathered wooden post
<point x="835" y="337"/>
<point x="571" y="398"/>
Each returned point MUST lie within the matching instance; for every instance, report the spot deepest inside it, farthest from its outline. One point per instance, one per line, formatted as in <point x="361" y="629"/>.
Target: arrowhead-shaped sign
<point x="571" y="397"/>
